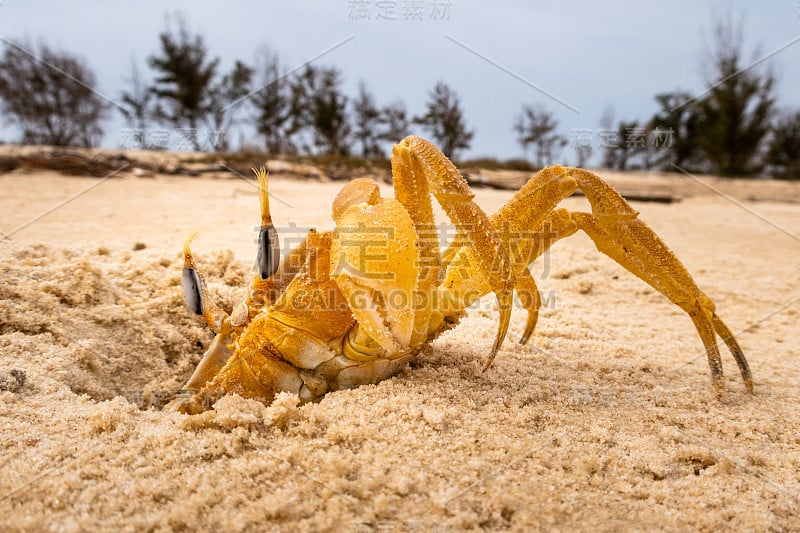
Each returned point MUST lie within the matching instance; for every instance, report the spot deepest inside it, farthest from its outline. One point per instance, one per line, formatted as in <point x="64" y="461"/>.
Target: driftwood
<point x="665" y="187"/>
<point x="66" y="162"/>
<point x="514" y="179"/>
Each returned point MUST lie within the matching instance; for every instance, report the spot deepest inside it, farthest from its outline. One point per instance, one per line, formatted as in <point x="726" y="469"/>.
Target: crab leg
<point x="411" y="189"/>
<point x="517" y="224"/>
<point x="557" y="225"/>
<point x="632" y="244"/>
<point x="465" y="282"/>
<point x="531" y="300"/>
<point x="453" y="194"/>
<point x="744" y="369"/>
<point x="617" y="232"/>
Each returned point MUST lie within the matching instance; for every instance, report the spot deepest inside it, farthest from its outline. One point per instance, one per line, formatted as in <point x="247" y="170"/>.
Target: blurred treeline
<point x="188" y="101"/>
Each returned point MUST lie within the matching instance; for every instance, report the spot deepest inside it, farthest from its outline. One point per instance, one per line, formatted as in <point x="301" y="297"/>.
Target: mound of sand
<point x="606" y="420"/>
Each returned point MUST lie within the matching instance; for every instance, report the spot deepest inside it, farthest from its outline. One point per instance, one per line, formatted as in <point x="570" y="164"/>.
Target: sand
<point x="605" y="421"/>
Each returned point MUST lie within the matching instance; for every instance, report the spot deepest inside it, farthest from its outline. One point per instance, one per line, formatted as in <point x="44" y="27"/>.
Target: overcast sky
<point x="576" y="58"/>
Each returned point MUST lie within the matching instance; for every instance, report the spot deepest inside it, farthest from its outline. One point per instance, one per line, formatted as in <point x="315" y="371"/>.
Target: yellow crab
<point x="354" y="305"/>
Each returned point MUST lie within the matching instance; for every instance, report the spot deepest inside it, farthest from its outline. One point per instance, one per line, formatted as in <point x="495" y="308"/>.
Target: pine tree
<point x="677" y="132"/>
<point x="445" y="120"/>
<point x="184" y="79"/>
<point x="319" y="107"/>
<point x="366" y="120"/>
<point x="736" y="112"/>
<point x="394" y="122"/>
<point x="272" y="103"/>
<point x="783" y="156"/>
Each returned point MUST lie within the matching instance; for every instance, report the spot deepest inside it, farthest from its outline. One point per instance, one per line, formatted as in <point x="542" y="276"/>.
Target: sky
<point x="577" y="59"/>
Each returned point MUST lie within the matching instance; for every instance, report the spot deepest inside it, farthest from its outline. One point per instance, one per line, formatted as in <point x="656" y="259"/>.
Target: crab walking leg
<point x="529" y="225"/>
<point x="250" y="373"/>
<point x="557" y="225"/>
<point x="452" y="192"/>
<point x="632" y="244"/>
<point x="212" y="362"/>
<point x="411" y="189"/>
<point x="657" y="265"/>
<point x="465" y="282"/>
<point x="617" y="232"/>
<point x="744" y="369"/>
<point x="531" y="300"/>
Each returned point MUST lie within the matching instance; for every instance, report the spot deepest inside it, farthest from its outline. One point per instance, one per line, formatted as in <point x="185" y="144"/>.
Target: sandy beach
<point x="606" y="420"/>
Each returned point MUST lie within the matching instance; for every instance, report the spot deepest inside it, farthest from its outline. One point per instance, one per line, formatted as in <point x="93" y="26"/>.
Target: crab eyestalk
<point x="269" y="252"/>
<point x="196" y="294"/>
<point x="192" y="284"/>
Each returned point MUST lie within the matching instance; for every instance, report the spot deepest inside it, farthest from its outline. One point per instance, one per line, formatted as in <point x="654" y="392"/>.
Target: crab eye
<point x="269" y="251"/>
<point x="191" y="290"/>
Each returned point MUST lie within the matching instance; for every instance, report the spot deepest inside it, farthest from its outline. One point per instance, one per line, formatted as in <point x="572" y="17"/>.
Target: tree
<point x="272" y="103"/>
<point x="609" y="139"/>
<point x="319" y="106"/>
<point x="366" y="118"/>
<point x="445" y="120"/>
<point x="50" y="95"/>
<point x="629" y="144"/>
<point x="225" y="97"/>
<point x="301" y="86"/>
<point x="184" y="79"/>
<point x="536" y="126"/>
<point x="676" y="131"/>
<point x="736" y="112"/>
<point x="137" y="108"/>
<point x="394" y="122"/>
<point x="329" y="114"/>
<point x="629" y="141"/>
<point x="583" y="152"/>
<point x="783" y="156"/>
